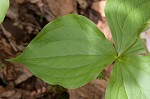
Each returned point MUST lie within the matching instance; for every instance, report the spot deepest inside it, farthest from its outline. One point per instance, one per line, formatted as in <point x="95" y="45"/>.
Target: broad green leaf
<point x="137" y="48"/>
<point x="4" y="4"/>
<point x="130" y="78"/>
<point x="126" y="19"/>
<point x="70" y="51"/>
<point x="146" y="26"/>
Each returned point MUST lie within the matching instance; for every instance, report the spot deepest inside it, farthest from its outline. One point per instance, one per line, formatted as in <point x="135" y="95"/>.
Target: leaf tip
<point x="11" y="60"/>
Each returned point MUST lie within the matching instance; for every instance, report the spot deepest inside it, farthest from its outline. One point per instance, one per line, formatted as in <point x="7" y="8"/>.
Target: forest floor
<point x="24" y="20"/>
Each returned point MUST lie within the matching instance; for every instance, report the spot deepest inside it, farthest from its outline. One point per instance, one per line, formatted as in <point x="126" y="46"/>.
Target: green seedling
<point x="71" y="51"/>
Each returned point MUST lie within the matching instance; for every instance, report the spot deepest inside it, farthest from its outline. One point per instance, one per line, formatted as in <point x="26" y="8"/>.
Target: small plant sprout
<point x="71" y="51"/>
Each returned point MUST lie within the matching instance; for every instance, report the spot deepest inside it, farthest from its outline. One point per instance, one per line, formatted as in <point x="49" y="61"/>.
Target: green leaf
<point x="4" y="5"/>
<point x="137" y="48"/>
<point x="70" y="51"/>
<point x="130" y="78"/>
<point x="131" y="72"/>
<point x="146" y="26"/>
<point x="126" y="19"/>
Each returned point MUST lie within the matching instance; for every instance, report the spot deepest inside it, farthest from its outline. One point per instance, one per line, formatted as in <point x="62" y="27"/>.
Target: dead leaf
<point x="99" y="7"/>
<point x="102" y="23"/>
<point x="61" y="7"/>
<point x="103" y="26"/>
<point x="92" y="90"/>
<point x="25" y="74"/>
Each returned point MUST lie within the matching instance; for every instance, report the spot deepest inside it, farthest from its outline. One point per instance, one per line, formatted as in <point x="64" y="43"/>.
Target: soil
<point x="24" y="20"/>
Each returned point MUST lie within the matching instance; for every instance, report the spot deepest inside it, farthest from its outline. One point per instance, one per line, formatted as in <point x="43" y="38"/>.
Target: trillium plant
<point x="71" y="51"/>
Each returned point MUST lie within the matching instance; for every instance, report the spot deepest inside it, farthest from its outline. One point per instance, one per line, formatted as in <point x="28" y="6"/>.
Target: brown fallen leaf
<point x="99" y="7"/>
<point x="103" y="26"/>
<point x="14" y="93"/>
<point x="102" y="23"/>
<point x="61" y="7"/>
<point x="6" y="92"/>
<point x="25" y="74"/>
<point x="92" y="90"/>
